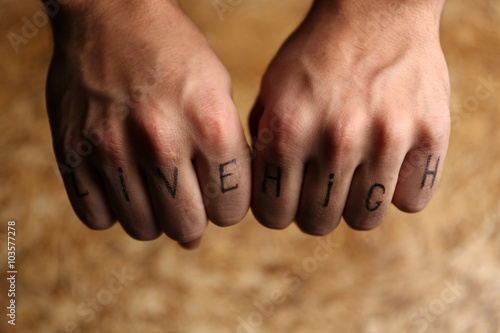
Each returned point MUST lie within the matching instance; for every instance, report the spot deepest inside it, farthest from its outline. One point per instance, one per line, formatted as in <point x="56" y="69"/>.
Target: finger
<point x="324" y="193"/>
<point x="371" y="191"/>
<point x="87" y="196"/>
<point x="166" y="160"/>
<point x="223" y="168"/>
<point x="419" y="176"/>
<point x="177" y="199"/>
<point x="277" y="170"/>
<point x="126" y="187"/>
<point x="192" y="245"/>
<point x="328" y="178"/>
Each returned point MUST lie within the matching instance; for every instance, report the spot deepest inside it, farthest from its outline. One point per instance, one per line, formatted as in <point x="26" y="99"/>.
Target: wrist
<point x="381" y="28"/>
<point x="78" y="20"/>
<point x="63" y="11"/>
<point x="360" y="6"/>
<point x="384" y="16"/>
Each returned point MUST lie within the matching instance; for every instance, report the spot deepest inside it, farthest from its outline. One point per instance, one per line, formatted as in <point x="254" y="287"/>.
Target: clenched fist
<point x="143" y="123"/>
<point x="359" y="95"/>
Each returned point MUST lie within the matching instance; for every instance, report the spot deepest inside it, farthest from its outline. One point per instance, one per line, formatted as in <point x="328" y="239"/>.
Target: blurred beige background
<point x="436" y="271"/>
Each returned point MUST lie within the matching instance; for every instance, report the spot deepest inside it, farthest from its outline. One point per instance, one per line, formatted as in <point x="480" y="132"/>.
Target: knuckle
<point x="343" y="139"/>
<point x="432" y="135"/>
<point x="289" y="140"/>
<point x="316" y="229"/>
<point x="224" y="213"/>
<point x="314" y="222"/>
<point x="89" y="218"/>
<point x="112" y="147"/>
<point x="392" y="135"/>
<point x="270" y="221"/>
<point x="79" y="144"/>
<point x="95" y="223"/>
<point x="217" y="132"/>
<point x="215" y="124"/>
<point x="185" y="234"/>
<point x="411" y="206"/>
<point x="143" y="236"/>
<point x="285" y="143"/>
<point x="70" y="151"/>
<point x="141" y="231"/>
<point x="187" y="224"/>
<point x="226" y="220"/>
<point x="392" y="141"/>
<point x="362" y="224"/>
<point x="157" y="138"/>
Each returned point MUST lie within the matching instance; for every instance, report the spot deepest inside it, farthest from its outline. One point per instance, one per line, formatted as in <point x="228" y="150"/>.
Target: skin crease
<point x="358" y="97"/>
<point x="361" y="94"/>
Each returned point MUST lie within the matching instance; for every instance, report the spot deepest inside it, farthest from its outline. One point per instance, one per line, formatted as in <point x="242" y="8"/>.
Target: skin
<point x="352" y="115"/>
<point x="361" y="94"/>
<point x="142" y="77"/>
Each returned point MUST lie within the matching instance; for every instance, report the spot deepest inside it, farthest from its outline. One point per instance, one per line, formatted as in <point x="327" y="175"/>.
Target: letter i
<point x="124" y="187"/>
<point x="330" y="184"/>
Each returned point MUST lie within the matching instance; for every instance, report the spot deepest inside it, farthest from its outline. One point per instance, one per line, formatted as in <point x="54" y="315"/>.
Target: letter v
<point x="171" y="190"/>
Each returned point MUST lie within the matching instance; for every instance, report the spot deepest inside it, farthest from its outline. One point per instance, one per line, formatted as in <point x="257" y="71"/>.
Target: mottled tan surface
<point x="393" y="279"/>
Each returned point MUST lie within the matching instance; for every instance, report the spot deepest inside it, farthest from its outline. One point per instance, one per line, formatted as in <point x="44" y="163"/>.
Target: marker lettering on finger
<point x="330" y="184"/>
<point x="370" y="193"/>
<point x="432" y="173"/>
<point x="123" y="185"/>
<point x="276" y="178"/>
<point x="225" y="175"/>
<point x="171" y="190"/>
